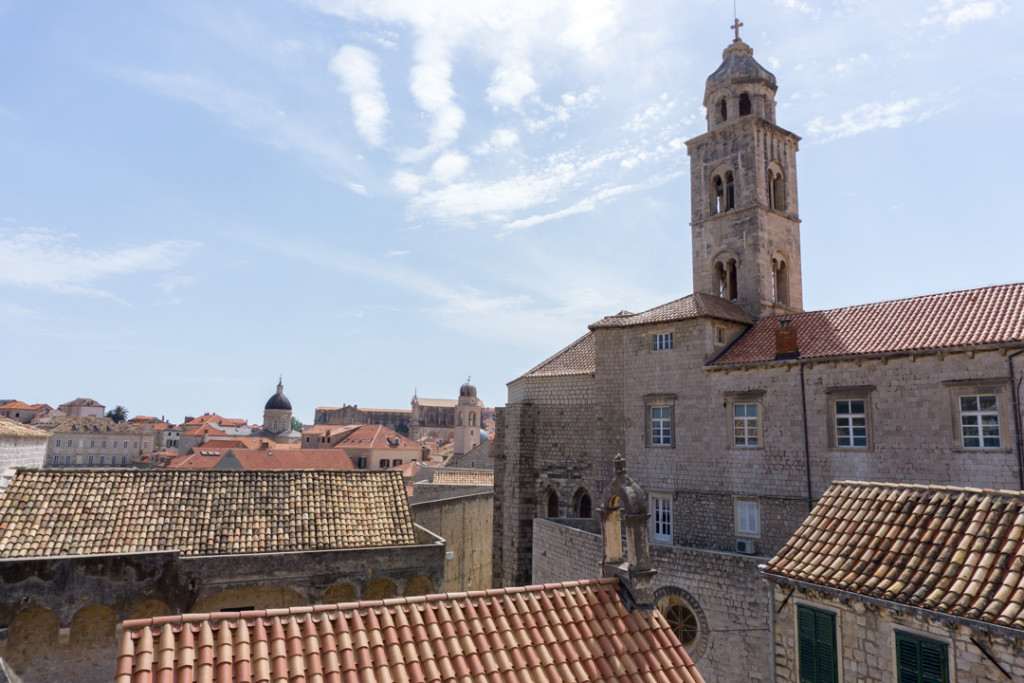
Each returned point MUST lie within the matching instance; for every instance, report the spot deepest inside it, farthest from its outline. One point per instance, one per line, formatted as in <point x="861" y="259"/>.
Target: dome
<point x="739" y="66"/>
<point x="278" y="401"/>
<point x="467" y="389"/>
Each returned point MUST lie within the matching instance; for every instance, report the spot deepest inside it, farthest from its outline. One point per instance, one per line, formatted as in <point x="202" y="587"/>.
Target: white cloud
<point x="397" y="252"/>
<point x="48" y="260"/>
<point x="795" y="5"/>
<point x="510" y="84"/>
<point x="956" y="13"/>
<point x="449" y="166"/>
<point x="583" y="206"/>
<point x="651" y="115"/>
<point x="359" y="74"/>
<point x="850" y="64"/>
<point x="571" y="102"/>
<point x="865" y="118"/>
<point x="501" y="139"/>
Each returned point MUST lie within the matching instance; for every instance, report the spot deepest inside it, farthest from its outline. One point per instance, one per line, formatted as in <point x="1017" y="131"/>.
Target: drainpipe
<point x="807" y="442"/>
<point x="1015" y="399"/>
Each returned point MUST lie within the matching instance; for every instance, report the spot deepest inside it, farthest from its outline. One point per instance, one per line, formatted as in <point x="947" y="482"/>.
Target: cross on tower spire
<point x="736" y="27"/>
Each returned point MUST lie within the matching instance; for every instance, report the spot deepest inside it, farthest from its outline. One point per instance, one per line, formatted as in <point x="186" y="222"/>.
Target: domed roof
<point x="278" y="401"/>
<point x="739" y="66"/>
<point x="467" y="389"/>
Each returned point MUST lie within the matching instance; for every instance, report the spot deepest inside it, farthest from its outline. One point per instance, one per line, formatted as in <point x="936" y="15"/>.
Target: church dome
<point x="278" y="401"/>
<point x="738" y="67"/>
<point x="467" y="389"/>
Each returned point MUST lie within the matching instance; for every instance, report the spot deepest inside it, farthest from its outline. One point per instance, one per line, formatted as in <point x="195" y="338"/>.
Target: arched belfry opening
<point x="780" y="279"/>
<point x="744" y="104"/>
<point x="724" y="274"/>
<point x="623" y="513"/>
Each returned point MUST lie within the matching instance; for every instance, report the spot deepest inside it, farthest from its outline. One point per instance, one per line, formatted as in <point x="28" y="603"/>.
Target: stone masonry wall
<point x="865" y="636"/>
<point x="16" y="452"/>
<point x="465" y="523"/>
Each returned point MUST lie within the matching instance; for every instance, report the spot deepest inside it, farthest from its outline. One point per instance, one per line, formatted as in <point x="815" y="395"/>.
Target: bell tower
<point x="745" y="222"/>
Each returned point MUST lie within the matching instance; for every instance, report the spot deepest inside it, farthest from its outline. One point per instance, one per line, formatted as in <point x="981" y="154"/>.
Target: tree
<point x="119" y="414"/>
<point x="296" y="424"/>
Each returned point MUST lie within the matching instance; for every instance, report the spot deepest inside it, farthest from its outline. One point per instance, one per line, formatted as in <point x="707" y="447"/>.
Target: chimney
<point x="785" y="341"/>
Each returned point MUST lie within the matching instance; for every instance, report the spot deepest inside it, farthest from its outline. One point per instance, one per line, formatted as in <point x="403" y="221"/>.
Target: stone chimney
<point x="624" y="509"/>
<point x="785" y="341"/>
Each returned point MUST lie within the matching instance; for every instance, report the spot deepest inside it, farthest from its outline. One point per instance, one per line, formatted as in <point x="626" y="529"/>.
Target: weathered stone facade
<point x="726" y="492"/>
<point x="465" y="523"/>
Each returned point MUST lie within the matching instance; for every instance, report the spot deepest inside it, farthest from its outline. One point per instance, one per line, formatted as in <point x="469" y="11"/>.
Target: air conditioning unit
<point x="745" y="546"/>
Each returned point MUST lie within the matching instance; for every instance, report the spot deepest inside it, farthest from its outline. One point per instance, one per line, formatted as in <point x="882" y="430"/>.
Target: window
<point x="744" y="104"/>
<point x="979" y="421"/>
<point x="67" y="459"/>
<point x="56" y="460"/>
<point x="58" y="444"/>
<point x="748" y="521"/>
<point x="396" y="462"/>
<point x="661" y="425"/>
<point x="115" y="444"/>
<point x="103" y="444"/>
<point x="730" y="192"/>
<point x="581" y="505"/>
<point x="851" y="423"/>
<point x="816" y="644"/>
<point x="723" y="110"/>
<point x="663" y="340"/>
<point x="385" y="463"/>
<point x="361" y="463"/>
<point x="102" y="459"/>
<point x="920" y="660"/>
<point x="746" y="428"/>
<point x="661" y="519"/>
<point x="685" y="617"/>
<point x="124" y="460"/>
<point x="92" y="444"/>
<point x="90" y="459"/>
<point x="551" y="503"/>
<point x="126" y="444"/>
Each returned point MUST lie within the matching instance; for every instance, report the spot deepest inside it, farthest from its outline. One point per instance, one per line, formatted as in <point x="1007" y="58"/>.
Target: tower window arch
<point x="724" y="274"/>
<point x="581" y="505"/>
<point x="776" y="189"/>
<point x="780" y="279"/>
<point x="550" y="504"/>
<point x="717" y="195"/>
<point x="744" y="104"/>
<point x="730" y="191"/>
<point x="723" y="110"/>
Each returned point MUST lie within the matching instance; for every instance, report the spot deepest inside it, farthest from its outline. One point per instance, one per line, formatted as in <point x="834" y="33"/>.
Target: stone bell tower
<point x="744" y="215"/>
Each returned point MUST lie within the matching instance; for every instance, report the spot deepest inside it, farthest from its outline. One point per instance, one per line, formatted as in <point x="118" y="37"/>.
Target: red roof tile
<point x="697" y="305"/>
<point x="946" y="549"/>
<point x="973" y="317"/>
<point x="575" y="631"/>
<point x="453" y="475"/>
<point x="269" y="459"/>
<point x="575" y="359"/>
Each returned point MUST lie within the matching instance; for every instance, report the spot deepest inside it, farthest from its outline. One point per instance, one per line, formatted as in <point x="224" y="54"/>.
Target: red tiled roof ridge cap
<point x="926" y="487"/>
<point x="199" y="617"/>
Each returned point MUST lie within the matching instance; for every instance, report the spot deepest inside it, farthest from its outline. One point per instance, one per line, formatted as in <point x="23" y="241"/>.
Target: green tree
<point x="296" y="424"/>
<point x="119" y="414"/>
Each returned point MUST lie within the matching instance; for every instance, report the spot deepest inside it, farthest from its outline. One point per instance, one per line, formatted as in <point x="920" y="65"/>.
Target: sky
<point x="381" y="197"/>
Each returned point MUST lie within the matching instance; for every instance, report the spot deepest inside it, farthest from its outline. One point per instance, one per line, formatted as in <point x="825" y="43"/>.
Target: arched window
<point x="581" y="505"/>
<point x="458" y="420"/>
<point x="723" y="110"/>
<point x="551" y="503"/>
<point x="780" y="280"/>
<point x="730" y="192"/>
<point x="730" y="274"/>
<point x="724" y="274"/>
<point x="472" y="419"/>
<point x="744" y="104"/>
<point x="776" y="190"/>
<point x="717" y="195"/>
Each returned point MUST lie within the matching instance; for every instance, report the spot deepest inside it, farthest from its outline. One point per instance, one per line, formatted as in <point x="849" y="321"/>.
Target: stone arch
<point x="418" y="585"/>
<point x="148" y="609"/>
<point x="548" y="502"/>
<point x="724" y="267"/>
<point x="685" y="617"/>
<point x="380" y="589"/>
<point x="581" y="504"/>
<point x="32" y="632"/>
<point x="472" y="418"/>
<point x="745" y="107"/>
<point x="250" y="597"/>
<point x="340" y="592"/>
<point x="723" y="189"/>
<point x="93" y="626"/>
<point x="776" y="187"/>
<point x="780" y="278"/>
<point x="723" y="110"/>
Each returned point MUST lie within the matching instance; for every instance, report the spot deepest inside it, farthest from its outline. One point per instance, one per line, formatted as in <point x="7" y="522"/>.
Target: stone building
<point x="22" y="412"/>
<point x="432" y="418"/>
<point x="277" y="418"/>
<point x="82" y="407"/>
<point x="736" y="409"/>
<point x="82" y="550"/>
<point x="468" y="420"/>
<point x="398" y="420"/>
<point x="918" y="582"/>
<point x="21" y="445"/>
<point x="95" y="442"/>
<point x="369" y="446"/>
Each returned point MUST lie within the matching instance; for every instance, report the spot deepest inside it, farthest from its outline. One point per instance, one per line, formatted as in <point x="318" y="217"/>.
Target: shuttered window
<point x="816" y="631"/>
<point x="919" y="660"/>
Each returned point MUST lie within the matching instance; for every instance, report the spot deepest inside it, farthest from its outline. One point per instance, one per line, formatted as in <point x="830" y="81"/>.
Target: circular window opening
<point x="684" y="617"/>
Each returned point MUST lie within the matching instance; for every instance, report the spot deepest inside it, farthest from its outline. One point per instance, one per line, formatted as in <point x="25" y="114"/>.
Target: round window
<point x="684" y="617"/>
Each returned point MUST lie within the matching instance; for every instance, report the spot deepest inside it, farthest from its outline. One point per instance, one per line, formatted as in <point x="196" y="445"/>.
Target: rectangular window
<point x="663" y="341"/>
<point x="67" y="459"/>
<point x="748" y="520"/>
<point x="92" y="444"/>
<point x="361" y="463"/>
<point x="58" y="443"/>
<point x="145" y="445"/>
<point x="746" y="428"/>
<point x="385" y="463"/>
<point x="661" y="425"/>
<point x="920" y="660"/>
<point x="56" y="460"/>
<point x="979" y="421"/>
<point x="102" y="459"/>
<point x="662" y="518"/>
<point x="397" y="462"/>
<point x="115" y="444"/>
<point x="851" y="423"/>
<point x="90" y="459"/>
<point x="816" y="636"/>
<point x="124" y="459"/>
<point x="126" y="444"/>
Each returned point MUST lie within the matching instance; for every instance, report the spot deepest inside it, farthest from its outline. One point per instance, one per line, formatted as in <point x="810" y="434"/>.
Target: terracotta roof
<point x="377" y="436"/>
<point x="205" y="430"/>
<point x="83" y="402"/>
<point x="697" y="305"/>
<point x="451" y="475"/>
<point x="216" y="419"/>
<point x="21" y="405"/>
<point x="576" y="631"/>
<point x="45" y="513"/>
<point x="575" y="359"/>
<point x="10" y="428"/>
<point x="270" y="459"/>
<point x="972" y="317"/>
<point x="951" y="550"/>
<point x="93" y="424"/>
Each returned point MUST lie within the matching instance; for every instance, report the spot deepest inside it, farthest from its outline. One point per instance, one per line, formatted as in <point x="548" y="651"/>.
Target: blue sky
<point x="378" y="197"/>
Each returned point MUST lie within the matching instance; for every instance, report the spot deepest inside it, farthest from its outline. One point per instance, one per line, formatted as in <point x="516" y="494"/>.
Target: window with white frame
<point x="115" y="444"/>
<point x="748" y="518"/>
<point x="661" y="518"/>
<point x="746" y="427"/>
<point x="67" y="459"/>
<point x="90" y="459"/>
<point x="58" y="444"/>
<point x="56" y="460"/>
<point x="663" y="340"/>
<point x="851" y="423"/>
<point x="979" y="421"/>
<point x="661" y="425"/>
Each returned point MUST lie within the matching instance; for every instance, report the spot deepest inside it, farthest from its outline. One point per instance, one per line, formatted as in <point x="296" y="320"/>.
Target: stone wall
<point x="19" y="452"/>
<point x="865" y="637"/>
<point x="425" y="491"/>
<point x="465" y="523"/>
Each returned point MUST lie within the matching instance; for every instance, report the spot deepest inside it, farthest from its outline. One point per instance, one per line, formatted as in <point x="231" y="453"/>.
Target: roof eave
<point x="866" y="356"/>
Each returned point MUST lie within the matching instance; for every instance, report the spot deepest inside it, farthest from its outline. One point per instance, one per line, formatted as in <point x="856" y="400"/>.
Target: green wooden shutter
<point x="919" y="660"/>
<point x="816" y="635"/>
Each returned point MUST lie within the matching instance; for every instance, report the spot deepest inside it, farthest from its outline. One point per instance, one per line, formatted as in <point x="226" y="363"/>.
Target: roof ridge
<point x="918" y="297"/>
